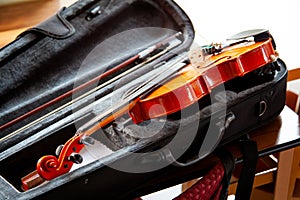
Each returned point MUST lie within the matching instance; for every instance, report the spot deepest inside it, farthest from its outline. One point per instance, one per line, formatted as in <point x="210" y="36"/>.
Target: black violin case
<point x="77" y="45"/>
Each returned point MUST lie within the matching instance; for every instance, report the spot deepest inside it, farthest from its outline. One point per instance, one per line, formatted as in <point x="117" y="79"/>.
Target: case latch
<point x="93" y="13"/>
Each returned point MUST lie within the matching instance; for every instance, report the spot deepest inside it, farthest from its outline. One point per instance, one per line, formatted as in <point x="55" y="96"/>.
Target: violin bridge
<point x="196" y="56"/>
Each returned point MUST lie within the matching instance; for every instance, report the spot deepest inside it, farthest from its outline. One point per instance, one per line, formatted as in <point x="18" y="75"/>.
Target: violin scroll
<point x="49" y="167"/>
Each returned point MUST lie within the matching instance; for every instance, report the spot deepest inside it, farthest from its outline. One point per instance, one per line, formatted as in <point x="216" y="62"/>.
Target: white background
<point x="216" y="20"/>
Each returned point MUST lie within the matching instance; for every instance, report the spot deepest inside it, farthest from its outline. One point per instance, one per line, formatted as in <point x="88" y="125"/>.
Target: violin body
<point x="194" y="82"/>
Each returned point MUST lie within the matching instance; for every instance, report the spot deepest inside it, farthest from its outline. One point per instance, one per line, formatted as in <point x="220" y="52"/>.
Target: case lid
<point x="76" y="45"/>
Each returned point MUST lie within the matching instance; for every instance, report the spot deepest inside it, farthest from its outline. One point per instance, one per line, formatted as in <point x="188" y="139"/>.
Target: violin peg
<point x="58" y="149"/>
<point x="75" y="158"/>
<point x="273" y="58"/>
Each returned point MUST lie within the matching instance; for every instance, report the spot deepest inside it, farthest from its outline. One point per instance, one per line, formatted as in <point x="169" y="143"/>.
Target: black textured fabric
<point x="229" y="163"/>
<point x="250" y="157"/>
<point x="56" y="61"/>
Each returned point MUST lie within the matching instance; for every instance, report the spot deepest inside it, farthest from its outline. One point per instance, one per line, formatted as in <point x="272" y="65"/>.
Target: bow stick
<point x="140" y="56"/>
<point x="49" y="167"/>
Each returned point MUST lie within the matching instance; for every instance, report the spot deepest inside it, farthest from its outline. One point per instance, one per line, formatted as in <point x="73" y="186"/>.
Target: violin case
<point x="79" y="43"/>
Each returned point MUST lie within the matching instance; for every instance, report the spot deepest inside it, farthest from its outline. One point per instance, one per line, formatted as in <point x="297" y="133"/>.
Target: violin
<point x="194" y="82"/>
<point x="182" y="80"/>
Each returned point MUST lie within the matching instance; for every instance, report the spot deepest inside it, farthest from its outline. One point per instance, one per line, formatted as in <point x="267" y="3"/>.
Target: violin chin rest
<point x="248" y="33"/>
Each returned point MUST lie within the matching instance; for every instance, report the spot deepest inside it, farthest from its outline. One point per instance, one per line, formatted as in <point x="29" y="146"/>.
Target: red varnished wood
<point x="49" y="167"/>
<point x="194" y="82"/>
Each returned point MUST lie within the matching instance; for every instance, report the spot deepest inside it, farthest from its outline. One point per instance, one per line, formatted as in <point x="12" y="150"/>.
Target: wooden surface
<point x="281" y="134"/>
<point x="288" y="173"/>
<point x="278" y="135"/>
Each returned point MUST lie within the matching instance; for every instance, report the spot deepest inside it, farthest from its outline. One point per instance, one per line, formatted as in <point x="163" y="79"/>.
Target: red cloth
<point x="207" y="188"/>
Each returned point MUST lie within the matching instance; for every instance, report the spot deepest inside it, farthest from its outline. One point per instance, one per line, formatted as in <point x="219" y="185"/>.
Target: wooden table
<point x="280" y="135"/>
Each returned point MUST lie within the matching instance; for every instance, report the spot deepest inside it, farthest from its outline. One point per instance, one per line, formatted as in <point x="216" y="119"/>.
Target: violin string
<point x="168" y="70"/>
<point x="145" y="87"/>
<point x="141" y="55"/>
<point x="175" y="65"/>
<point x="91" y="91"/>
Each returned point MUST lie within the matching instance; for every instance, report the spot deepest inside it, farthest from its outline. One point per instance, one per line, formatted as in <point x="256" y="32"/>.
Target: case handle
<point x="56" y="27"/>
